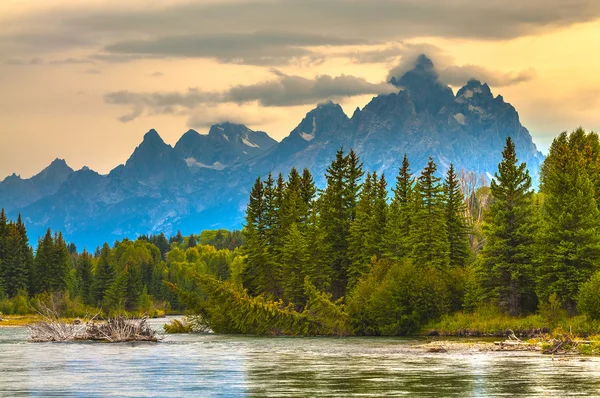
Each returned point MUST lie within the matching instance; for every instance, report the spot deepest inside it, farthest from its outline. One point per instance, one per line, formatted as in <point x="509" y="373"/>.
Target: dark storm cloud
<point x="233" y="31"/>
<point x="259" y="48"/>
<point x="285" y="90"/>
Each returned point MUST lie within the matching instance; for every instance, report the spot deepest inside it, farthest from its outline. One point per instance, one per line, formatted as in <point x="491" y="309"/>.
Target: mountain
<point x="204" y="181"/>
<point x="226" y="144"/>
<point x="16" y="192"/>
<point x="153" y="163"/>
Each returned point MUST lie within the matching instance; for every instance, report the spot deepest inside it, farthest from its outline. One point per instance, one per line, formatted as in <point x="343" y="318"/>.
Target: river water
<point x="239" y="366"/>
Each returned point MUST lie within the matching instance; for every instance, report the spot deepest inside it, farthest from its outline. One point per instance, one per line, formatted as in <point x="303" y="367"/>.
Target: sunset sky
<point x="84" y="80"/>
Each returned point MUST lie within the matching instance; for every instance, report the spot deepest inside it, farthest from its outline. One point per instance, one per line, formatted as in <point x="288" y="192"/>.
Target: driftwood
<point x="113" y="330"/>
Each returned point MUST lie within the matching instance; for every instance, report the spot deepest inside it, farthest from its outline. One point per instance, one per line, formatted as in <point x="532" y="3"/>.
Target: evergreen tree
<point x="397" y="231"/>
<point x="60" y="265"/>
<point x="358" y="253"/>
<point x="375" y="237"/>
<point x="15" y="263"/>
<point x="456" y="224"/>
<point x="178" y="238"/>
<point x="191" y="241"/>
<point x="295" y="259"/>
<point x="85" y="275"/>
<point x="104" y="275"/>
<point x="570" y="238"/>
<point x="43" y="266"/>
<point x="3" y="238"/>
<point x="507" y="258"/>
<point x="337" y="211"/>
<point x="429" y="237"/>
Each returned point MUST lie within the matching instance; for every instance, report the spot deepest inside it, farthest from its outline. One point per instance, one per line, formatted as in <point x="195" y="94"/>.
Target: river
<point x="239" y="366"/>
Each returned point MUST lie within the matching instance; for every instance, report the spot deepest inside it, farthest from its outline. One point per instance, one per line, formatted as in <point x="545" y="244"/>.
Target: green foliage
<point x="456" y="224"/>
<point x="428" y="234"/>
<point x="570" y="240"/>
<point x="397" y="298"/>
<point x="507" y="273"/>
<point x="588" y="300"/>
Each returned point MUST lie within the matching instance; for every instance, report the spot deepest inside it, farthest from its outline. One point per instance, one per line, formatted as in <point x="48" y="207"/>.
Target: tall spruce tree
<point x="358" y="253"/>
<point x="570" y="238"/>
<point x="3" y="238"/>
<point x="456" y="223"/>
<point x="397" y="230"/>
<point x="295" y="259"/>
<point x="508" y="255"/>
<point x="429" y="236"/>
<point x="43" y="265"/>
<point x="337" y="208"/>
<point x="104" y="275"/>
<point x="85" y="276"/>
<point x="15" y="265"/>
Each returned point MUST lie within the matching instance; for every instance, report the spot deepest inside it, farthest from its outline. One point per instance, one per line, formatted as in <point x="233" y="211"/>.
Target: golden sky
<point x="84" y="81"/>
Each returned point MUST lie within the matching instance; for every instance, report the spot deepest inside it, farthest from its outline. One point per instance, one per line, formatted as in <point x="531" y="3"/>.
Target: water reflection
<point x="232" y="366"/>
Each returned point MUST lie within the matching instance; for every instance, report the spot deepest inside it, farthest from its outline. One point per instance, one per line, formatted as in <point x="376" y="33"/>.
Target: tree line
<point x="392" y="260"/>
<point x="127" y="276"/>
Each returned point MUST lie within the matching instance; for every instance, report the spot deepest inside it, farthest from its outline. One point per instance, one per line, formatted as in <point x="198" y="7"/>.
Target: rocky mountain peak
<point x="424" y="87"/>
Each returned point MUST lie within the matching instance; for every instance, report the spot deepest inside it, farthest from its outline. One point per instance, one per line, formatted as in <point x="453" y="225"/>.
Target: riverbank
<point x="19" y="320"/>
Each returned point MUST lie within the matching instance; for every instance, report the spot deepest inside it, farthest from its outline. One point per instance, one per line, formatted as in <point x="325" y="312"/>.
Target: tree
<point x="429" y="236"/>
<point x="508" y="256"/>
<point x="295" y="259"/>
<point x="456" y="225"/>
<point x="397" y="230"/>
<point x="43" y="267"/>
<point x="15" y="265"/>
<point x="85" y="275"/>
<point x="191" y="241"/>
<point x="337" y="208"/>
<point x="104" y="275"/>
<point x="570" y="238"/>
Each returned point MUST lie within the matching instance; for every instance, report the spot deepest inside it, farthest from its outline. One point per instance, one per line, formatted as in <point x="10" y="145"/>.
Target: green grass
<point x="491" y="322"/>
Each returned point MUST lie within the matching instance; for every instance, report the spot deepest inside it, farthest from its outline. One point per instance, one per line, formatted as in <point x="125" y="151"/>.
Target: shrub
<point x="588" y="300"/>
<point x="397" y="298"/>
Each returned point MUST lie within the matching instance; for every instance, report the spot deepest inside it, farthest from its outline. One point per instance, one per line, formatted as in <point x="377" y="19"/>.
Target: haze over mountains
<point x="203" y="182"/>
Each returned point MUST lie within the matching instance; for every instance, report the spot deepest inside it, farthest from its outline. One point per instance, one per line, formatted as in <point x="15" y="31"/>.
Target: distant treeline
<point x="129" y="276"/>
<point x="350" y="259"/>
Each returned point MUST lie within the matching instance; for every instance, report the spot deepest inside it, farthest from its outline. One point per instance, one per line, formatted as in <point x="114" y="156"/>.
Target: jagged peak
<point x="152" y="137"/>
<point x="473" y="87"/>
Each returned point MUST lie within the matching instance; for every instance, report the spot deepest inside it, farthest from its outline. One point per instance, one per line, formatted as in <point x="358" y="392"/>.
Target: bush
<point x="178" y="326"/>
<point x="588" y="300"/>
<point x="397" y="298"/>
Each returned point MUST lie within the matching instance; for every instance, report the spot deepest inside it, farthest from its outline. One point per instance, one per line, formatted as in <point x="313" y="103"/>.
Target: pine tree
<point x="191" y="241"/>
<point x="295" y="258"/>
<point x="60" y="265"/>
<point x="261" y="273"/>
<point x="397" y="230"/>
<point x="15" y="263"/>
<point x="337" y="211"/>
<point x="375" y="238"/>
<point x="456" y="224"/>
<point x="43" y="265"/>
<point x="104" y="275"/>
<point x="358" y="254"/>
<point x="308" y="191"/>
<point x="570" y="238"/>
<point x="3" y="238"/>
<point x="85" y="275"/>
<point x="508" y="256"/>
<point x="429" y="237"/>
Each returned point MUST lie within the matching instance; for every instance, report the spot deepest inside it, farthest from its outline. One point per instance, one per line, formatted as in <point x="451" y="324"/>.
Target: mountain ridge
<point x="203" y="181"/>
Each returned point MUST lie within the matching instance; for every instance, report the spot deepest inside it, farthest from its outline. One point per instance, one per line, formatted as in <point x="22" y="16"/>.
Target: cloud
<point x="233" y="31"/>
<point x="284" y="90"/>
<point x="207" y="116"/>
<point x="457" y="75"/>
<point x="157" y="74"/>
<point x="255" y="48"/>
<point x="92" y="71"/>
